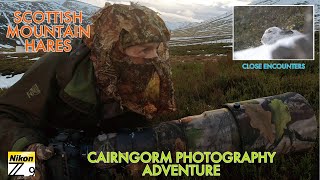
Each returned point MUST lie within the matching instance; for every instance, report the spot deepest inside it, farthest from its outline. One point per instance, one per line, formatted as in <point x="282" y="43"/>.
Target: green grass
<point x="207" y="86"/>
<point x="200" y="49"/>
<point x="293" y="166"/>
<point x="16" y="63"/>
<point x="2" y="90"/>
<point x="201" y="86"/>
<point x="14" y="66"/>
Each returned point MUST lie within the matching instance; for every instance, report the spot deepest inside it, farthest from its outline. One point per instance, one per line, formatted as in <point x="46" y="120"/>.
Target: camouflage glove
<point x="42" y="153"/>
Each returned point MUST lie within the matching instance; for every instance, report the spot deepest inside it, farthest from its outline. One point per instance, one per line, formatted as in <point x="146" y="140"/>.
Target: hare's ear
<point x="107" y="4"/>
<point x="285" y="32"/>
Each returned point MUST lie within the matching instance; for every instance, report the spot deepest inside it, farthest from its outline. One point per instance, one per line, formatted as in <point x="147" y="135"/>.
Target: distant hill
<point x="211" y="31"/>
<point x="219" y="29"/>
<point x="216" y="29"/>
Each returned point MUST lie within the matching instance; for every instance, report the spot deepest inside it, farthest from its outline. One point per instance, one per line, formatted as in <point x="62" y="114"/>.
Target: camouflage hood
<point x="145" y="88"/>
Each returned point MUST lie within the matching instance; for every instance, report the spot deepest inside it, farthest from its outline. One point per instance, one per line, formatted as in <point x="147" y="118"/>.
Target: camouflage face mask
<point x="143" y="88"/>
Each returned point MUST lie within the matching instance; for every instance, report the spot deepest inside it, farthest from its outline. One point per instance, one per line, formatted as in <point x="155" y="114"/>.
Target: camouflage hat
<point x="116" y="27"/>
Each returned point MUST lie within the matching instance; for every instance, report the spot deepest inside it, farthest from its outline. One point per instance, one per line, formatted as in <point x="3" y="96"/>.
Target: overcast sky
<point x="182" y="10"/>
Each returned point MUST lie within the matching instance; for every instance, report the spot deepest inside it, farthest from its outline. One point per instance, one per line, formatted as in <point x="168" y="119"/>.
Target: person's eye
<point x="146" y="50"/>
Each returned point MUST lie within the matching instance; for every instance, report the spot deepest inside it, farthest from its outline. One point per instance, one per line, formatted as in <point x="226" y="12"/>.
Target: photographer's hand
<point x="43" y="153"/>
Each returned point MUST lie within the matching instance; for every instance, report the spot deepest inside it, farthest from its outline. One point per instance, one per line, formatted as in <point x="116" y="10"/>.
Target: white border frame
<point x="313" y="37"/>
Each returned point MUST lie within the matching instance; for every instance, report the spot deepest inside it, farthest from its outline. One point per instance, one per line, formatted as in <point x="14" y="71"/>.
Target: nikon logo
<point x="19" y="158"/>
<point x="21" y="163"/>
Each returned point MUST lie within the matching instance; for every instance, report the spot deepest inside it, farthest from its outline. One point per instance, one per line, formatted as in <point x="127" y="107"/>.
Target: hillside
<point x="220" y="28"/>
<point x="215" y="30"/>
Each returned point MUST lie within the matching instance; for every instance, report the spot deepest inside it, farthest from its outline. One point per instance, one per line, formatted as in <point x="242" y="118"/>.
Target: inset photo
<point x="269" y="32"/>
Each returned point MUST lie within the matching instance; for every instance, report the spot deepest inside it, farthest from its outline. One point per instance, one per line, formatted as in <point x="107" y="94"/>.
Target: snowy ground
<point x="20" y="56"/>
<point x="6" y="46"/>
<point x="34" y="59"/>
<point x="8" y="80"/>
<point x="265" y="51"/>
<point x="262" y="52"/>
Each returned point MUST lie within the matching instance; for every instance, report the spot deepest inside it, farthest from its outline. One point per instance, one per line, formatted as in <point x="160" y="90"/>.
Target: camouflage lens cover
<point x="281" y="123"/>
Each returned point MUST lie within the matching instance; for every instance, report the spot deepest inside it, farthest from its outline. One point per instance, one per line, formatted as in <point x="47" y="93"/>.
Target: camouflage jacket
<point x="58" y="91"/>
